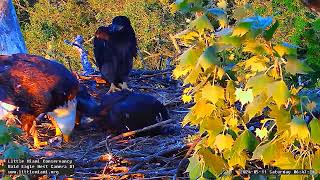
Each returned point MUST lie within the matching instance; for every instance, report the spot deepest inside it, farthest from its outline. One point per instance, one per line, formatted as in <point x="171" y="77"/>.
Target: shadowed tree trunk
<point x="11" y="39"/>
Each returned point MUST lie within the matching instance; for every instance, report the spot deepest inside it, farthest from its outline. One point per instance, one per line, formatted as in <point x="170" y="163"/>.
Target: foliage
<point x="233" y="95"/>
<point x="298" y="26"/>
<point x="48" y="23"/>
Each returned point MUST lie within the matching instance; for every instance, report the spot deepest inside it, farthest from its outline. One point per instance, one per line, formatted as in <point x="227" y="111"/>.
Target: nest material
<point x="100" y="155"/>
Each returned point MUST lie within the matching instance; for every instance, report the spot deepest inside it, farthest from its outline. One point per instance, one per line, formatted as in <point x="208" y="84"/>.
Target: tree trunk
<point x="11" y="39"/>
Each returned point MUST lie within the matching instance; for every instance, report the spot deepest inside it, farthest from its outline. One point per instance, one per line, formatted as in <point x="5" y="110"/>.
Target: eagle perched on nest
<point x="31" y="85"/>
<point x="115" y="46"/>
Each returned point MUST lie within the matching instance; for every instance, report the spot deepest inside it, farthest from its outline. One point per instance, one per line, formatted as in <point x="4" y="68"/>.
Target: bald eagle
<point x="115" y="46"/>
<point x="123" y="111"/>
<point x="31" y="85"/>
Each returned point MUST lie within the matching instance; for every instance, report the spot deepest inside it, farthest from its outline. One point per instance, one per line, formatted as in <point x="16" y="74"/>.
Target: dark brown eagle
<point x="31" y="85"/>
<point x="115" y="46"/>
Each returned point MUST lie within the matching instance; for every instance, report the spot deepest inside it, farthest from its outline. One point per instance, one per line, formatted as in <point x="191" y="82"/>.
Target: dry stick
<point x="130" y="133"/>
<point x="126" y="134"/>
<point x="150" y="158"/>
<point x="193" y="145"/>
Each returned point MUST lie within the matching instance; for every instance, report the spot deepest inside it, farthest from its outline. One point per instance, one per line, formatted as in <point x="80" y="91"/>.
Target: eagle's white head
<point x="65" y="117"/>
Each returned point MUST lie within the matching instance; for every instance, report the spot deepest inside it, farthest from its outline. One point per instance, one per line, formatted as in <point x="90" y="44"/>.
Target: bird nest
<point x="99" y="155"/>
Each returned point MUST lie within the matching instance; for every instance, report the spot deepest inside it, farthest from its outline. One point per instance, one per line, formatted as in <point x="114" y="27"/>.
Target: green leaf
<point x="4" y="134"/>
<point x="195" y="167"/>
<point x="259" y="83"/>
<point x="247" y="141"/>
<point x="229" y="40"/>
<point x="13" y="130"/>
<point x="209" y="58"/>
<point x="282" y="117"/>
<point x="241" y="29"/>
<point x="315" y="129"/>
<point x="7" y="178"/>
<point x="201" y="23"/>
<point x="279" y="92"/>
<point x="190" y="56"/>
<point x="294" y="66"/>
<point x="269" y="33"/>
<point x="316" y="161"/>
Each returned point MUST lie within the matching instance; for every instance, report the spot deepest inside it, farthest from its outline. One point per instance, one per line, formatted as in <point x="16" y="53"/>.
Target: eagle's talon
<point x="124" y="86"/>
<point x="113" y="88"/>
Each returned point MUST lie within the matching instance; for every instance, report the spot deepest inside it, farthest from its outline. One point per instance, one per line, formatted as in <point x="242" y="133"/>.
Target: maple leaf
<point x="279" y="92"/>
<point x="258" y="104"/>
<point x="222" y="4"/>
<point x="195" y="167"/>
<point x="203" y="109"/>
<point x="186" y="98"/>
<point x="212" y="93"/>
<point x="223" y="142"/>
<point x="299" y="129"/>
<point x="261" y="133"/>
<point x="241" y="29"/>
<point x="244" y="96"/>
<point x="259" y="83"/>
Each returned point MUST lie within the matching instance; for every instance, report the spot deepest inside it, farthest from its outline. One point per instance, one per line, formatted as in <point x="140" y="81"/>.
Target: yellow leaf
<point x="222" y="4"/>
<point x="241" y="29"/>
<point x="257" y="63"/>
<point x="186" y="98"/>
<point x="203" y="109"/>
<point x="231" y="57"/>
<point x="213" y="93"/>
<point x="244" y="96"/>
<point x="299" y="128"/>
<point x="230" y="91"/>
<point x="231" y="121"/>
<point x="190" y="118"/>
<point x="282" y="117"/>
<point x="255" y="47"/>
<point x="224" y="142"/>
<point x="181" y="70"/>
<point x="190" y="56"/>
<point x="215" y="163"/>
<point x="258" y="104"/>
<point x="187" y="90"/>
<point x="220" y="73"/>
<point x="261" y="133"/>
<point x="259" y="83"/>
<point x="193" y="76"/>
<point x="279" y="92"/>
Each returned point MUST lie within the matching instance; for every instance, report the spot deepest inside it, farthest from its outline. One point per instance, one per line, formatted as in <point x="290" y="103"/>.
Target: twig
<point x="161" y="153"/>
<point x="184" y="160"/>
<point x="130" y="133"/>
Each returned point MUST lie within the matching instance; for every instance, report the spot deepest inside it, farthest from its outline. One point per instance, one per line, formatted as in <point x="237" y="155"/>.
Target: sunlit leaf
<point x="213" y="125"/>
<point x="316" y="161"/>
<point x="222" y="4"/>
<point x="261" y="133"/>
<point x="255" y="48"/>
<point x="201" y="23"/>
<point x="186" y="98"/>
<point x="282" y="117"/>
<point x="213" y="93"/>
<point x="193" y="76"/>
<point x="195" y="167"/>
<point x="259" y="83"/>
<point x="258" y="104"/>
<point x="298" y="128"/>
<point x="190" y="118"/>
<point x="203" y="109"/>
<point x="314" y="130"/>
<point x="244" y="96"/>
<point x="223" y="142"/>
<point x="230" y="91"/>
<point x="286" y="161"/>
<point x="190" y="56"/>
<point x="282" y="50"/>
<point x="279" y="92"/>
<point x="214" y="163"/>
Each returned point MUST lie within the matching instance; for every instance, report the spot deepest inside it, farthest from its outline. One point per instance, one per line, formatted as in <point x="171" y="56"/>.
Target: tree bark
<point x="11" y="39"/>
